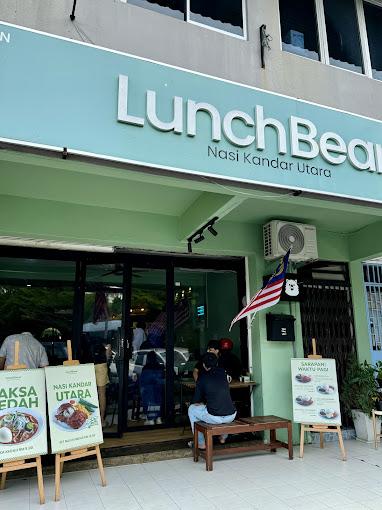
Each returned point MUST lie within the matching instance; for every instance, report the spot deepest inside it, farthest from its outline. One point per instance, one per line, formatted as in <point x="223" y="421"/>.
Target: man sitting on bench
<point x="212" y="399"/>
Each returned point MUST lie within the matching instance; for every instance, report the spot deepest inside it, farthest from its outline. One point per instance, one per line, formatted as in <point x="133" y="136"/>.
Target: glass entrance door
<point x="102" y="341"/>
<point x="148" y="354"/>
<point x="206" y="300"/>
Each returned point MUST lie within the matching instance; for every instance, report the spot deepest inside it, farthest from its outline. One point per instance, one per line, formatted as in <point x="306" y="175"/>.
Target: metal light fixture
<point x="197" y="237"/>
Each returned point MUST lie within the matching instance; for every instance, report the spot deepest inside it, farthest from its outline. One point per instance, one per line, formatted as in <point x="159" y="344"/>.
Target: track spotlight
<point x="198" y="236"/>
<point x="211" y="229"/>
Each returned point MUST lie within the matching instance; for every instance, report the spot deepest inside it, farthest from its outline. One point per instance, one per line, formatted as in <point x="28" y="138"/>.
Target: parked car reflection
<point x="139" y="358"/>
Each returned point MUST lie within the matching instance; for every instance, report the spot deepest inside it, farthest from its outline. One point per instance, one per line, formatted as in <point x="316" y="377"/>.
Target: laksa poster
<point x="73" y="407"/>
<point x="23" y="431"/>
<point x="315" y="392"/>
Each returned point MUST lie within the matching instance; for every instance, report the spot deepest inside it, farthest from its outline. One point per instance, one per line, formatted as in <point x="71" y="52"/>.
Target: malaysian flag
<point x="101" y="309"/>
<point x="181" y="315"/>
<point x="269" y="295"/>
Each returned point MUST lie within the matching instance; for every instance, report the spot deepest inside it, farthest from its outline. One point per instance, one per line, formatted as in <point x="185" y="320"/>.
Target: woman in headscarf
<point x="152" y="385"/>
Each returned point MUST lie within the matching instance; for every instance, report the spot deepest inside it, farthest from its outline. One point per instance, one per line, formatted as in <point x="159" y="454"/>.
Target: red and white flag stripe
<point x="269" y="295"/>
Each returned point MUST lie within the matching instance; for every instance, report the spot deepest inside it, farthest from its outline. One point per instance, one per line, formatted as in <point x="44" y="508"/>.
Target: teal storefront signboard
<point x="60" y="93"/>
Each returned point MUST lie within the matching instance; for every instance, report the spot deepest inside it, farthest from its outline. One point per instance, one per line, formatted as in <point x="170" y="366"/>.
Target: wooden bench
<point x="241" y="426"/>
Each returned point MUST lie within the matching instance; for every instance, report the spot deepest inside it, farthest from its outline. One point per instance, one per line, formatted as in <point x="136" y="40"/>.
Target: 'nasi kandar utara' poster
<point x="315" y="391"/>
<point x="73" y="408"/>
<point x="23" y="431"/>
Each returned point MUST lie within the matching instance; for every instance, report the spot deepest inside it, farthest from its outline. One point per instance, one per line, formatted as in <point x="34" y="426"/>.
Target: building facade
<point x="134" y="131"/>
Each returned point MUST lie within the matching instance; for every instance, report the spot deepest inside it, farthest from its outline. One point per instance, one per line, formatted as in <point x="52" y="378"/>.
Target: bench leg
<point x="272" y="437"/>
<point x="290" y="441"/>
<point x="196" y="444"/>
<point x="209" y="451"/>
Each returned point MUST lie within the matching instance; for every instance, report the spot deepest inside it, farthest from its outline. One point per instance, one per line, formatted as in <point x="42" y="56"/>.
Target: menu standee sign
<point x="315" y="392"/>
<point x="23" y="431"/>
<point x="73" y="408"/>
<point x="315" y="398"/>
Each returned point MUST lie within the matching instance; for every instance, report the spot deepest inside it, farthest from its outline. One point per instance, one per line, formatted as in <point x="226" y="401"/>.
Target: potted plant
<point x="378" y="376"/>
<point x="359" y="396"/>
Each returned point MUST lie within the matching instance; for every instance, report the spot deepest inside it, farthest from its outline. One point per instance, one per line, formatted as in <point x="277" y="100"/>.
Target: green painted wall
<point x="104" y="218"/>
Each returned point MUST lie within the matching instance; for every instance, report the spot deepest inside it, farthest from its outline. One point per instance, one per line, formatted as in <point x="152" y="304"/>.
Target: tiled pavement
<point x="262" y="481"/>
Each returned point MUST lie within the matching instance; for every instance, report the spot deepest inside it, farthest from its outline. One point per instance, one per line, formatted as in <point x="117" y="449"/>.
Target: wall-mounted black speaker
<point x="280" y="328"/>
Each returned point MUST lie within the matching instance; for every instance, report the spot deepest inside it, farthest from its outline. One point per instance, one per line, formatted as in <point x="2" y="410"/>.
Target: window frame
<point x="323" y="41"/>
<point x="368" y="64"/>
<point x="243" y="37"/>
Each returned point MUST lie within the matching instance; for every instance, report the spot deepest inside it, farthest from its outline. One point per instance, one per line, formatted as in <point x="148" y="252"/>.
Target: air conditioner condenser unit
<point x="279" y="236"/>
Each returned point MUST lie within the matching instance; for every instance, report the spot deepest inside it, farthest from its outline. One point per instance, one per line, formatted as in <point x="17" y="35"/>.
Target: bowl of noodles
<point x="75" y="414"/>
<point x="19" y="425"/>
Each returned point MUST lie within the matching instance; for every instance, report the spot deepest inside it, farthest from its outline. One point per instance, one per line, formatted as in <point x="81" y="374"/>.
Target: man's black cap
<point x="213" y="344"/>
<point x="210" y="360"/>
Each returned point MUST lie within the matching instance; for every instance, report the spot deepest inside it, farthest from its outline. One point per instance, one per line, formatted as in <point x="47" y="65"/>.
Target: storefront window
<point x="225" y="15"/>
<point x="299" y="27"/>
<point x="373" y="17"/>
<point x="343" y="34"/>
<point x="37" y="296"/>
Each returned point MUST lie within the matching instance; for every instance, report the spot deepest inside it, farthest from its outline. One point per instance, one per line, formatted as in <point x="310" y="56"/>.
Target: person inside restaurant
<point x="31" y="353"/>
<point x="152" y="389"/>
<point x="212" y="347"/>
<point x="228" y="360"/>
<point x="139" y="335"/>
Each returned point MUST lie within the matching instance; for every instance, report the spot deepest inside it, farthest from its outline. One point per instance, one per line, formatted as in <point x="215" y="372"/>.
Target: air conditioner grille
<point x="291" y="235"/>
<point x="267" y="233"/>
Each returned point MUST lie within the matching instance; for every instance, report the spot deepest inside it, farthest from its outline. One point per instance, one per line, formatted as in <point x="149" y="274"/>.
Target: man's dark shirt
<point x="213" y="390"/>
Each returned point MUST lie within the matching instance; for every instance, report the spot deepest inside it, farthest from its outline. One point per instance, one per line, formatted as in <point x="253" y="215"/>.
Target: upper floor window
<point x="373" y="19"/>
<point x="299" y="27"/>
<point x="226" y="16"/>
<point x="343" y="34"/>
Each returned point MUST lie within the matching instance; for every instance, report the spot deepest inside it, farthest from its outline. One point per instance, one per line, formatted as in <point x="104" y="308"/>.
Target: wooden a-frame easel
<point x="16" y="465"/>
<point x="305" y="427"/>
<point x="75" y="454"/>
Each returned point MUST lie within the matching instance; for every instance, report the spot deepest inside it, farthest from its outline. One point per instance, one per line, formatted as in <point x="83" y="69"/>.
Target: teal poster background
<point x="59" y="93"/>
<point x="74" y="419"/>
